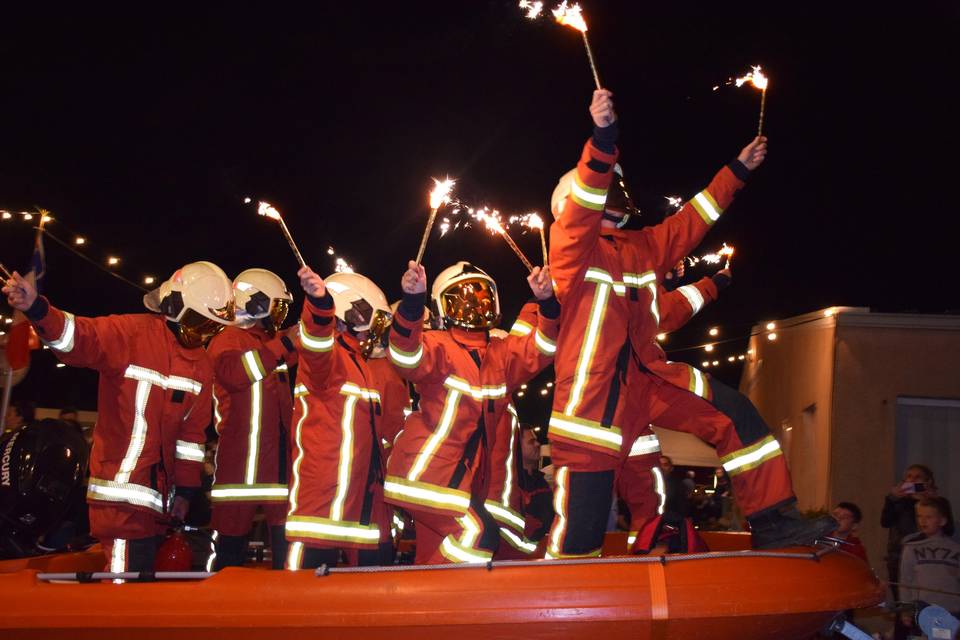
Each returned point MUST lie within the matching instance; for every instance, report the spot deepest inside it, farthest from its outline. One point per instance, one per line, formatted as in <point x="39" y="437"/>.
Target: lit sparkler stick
<point x="6" y="273"/>
<point x="714" y="258"/>
<point x="494" y="225"/>
<point x="536" y="222"/>
<point x="266" y="209"/>
<point x="438" y="197"/>
<point x="572" y="16"/>
<point x="726" y="251"/>
<point x="760" y="81"/>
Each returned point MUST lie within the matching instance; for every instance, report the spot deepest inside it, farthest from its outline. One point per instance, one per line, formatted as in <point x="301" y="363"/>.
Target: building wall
<point x="874" y="365"/>
<point x="790" y="381"/>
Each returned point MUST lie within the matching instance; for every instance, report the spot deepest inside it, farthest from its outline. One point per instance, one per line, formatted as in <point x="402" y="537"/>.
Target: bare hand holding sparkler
<point x="20" y="293"/>
<point x="601" y="108"/>
<point x="753" y="155"/>
<point x="540" y="283"/>
<point x="414" y="280"/>
<point x="312" y="284"/>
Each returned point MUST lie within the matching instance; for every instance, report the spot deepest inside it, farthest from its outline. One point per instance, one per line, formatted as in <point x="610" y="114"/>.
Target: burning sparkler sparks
<point x="438" y="197"/>
<point x="572" y="16"/>
<point x="534" y="221"/>
<point x="494" y="225"/>
<point x="269" y="211"/>
<point x="342" y="266"/>
<point x="533" y="9"/>
<point x="760" y="81"/>
<point x="674" y="201"/>
<point x="714" y="258"/>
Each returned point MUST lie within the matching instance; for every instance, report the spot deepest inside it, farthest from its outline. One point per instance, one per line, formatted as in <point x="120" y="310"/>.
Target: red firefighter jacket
<point x="153" y="403"/>
<point x="607" y="285"/>
<point x="252" y="413"/>
<point x="336" y="450"/>
<point x="464" y="379"/>
<point x="395" y="397"/>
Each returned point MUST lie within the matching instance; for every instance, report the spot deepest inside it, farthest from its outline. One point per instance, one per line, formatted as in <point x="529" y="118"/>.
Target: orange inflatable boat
<point x="785" y="594"/>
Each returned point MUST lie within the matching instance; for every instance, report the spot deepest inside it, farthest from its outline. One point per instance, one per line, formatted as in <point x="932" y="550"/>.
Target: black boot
<point x="783" y="526"/>
<point x="231" y="552"/>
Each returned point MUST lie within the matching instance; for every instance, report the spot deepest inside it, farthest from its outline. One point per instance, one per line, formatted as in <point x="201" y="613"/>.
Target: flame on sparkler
<point x="534" y="221"/>
<point x="492" y="222"/>
<point x="726" y="251"/>
<point x="713" y="258"/>
<point x="441" y="192"/>
<point x="342" y="266"/>
<point x="755" y="77"/>
<point x="444" y="226"/>
<point x="533" y="9"/>
<point x="570" y="16"/>
<point x="674" y="201"/>
<point x="268" y="210"/>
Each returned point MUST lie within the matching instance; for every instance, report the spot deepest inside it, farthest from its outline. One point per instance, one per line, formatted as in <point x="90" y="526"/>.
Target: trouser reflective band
<point x="751" y="457"/>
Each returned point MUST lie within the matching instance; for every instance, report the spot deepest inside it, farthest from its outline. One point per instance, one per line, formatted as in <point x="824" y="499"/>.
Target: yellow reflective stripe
<point x="111" y="491"/>
<point x="457" y="553"/>
<point x="298" y="442"/>
<point x="693" y="296"/>
<point x="253" y="438"/>
<point x="560" y="508"/>
<point x="189" y="451"/>
<point x="707" y="207"/>
<point x="439" y="434"/>
<point x="256" y="492"/>
<point x="520" y="328"/>
<point x="64" y="344"/>
<point x="471" y="529"/>
<point x="660" y="486"/>
<point x="477" y="393"/>
<point x="645" y="445"/>
<point x="595" y="321"/>
<point x="351" y="389"/>
<point x="639" y="280"/>
<point x="588" y="197"/>
<point x="518" y="543"/>
<point x="586" y="431"/>
<point x="142" y="374"/>
<point x="545" y="344"/>
<point x="751" y="457"/>
<point x="654" y="305"/>
<point x="698" y="383"/>
<point x="505" y="515"/>
<point x="329" y="529"/>
<point x="253" y="366"/>
<point x="138" y="434"/>
<point x="314" y="343"/>
<point x="295" y="556"/>
<point x="405" y="359"/>
<point x="345" y="463"/>
<point x="422" y="493"/>
<point x="508" y="471"/>
<point x="599" y="276"/>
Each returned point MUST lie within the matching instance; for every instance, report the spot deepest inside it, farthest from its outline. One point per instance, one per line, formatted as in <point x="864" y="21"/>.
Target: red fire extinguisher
<point x="174" y="554"/>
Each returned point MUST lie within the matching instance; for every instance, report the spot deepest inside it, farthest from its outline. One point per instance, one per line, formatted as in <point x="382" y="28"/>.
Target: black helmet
<point x="42" y="469"/>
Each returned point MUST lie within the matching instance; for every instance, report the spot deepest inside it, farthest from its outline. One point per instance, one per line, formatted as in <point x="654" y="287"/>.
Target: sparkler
<point x="438" y="197"/>
<point x="572" y="16"/>
<point x="266" y="209"/>
<point x="6" y="273"/>
<point x="343" y="266"/>
<point x="714" y="258"/>
<point x="760" y="81"/>
<point x="674" y="201"/>
<point x="533" y="9"/>
<point x="495" y="226"/>
<point x="536" y="222"/>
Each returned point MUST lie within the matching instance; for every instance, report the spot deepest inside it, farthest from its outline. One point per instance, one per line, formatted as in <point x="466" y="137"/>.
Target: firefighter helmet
<point x="617" y="201"/>
<point x="198" y="297"/>
<point x="261" y="295"/>
<point x="361" y="305"/>
<point x="465" y="296"/>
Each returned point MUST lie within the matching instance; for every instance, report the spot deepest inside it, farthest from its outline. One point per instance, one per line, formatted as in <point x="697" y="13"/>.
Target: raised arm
<point x="677" y="307"/>
<point x="679" y="234"/>
<point x="578" y="213"/>
<point x="413" y="359"/>
<point x="530" y="354"/>
<point x="317" y="326"/>
<point x="236" y="368"/>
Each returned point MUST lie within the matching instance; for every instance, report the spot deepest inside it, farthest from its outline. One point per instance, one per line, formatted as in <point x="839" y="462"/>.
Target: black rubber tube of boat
<point x="145" y="576"/>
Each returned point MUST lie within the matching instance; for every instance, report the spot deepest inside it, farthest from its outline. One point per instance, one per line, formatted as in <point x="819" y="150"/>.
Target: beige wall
<point x="782" y="378"/>
<point x="874" y="365"/>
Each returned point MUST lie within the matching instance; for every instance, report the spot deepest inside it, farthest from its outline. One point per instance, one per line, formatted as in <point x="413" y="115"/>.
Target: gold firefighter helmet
<point x="465" y="296"/>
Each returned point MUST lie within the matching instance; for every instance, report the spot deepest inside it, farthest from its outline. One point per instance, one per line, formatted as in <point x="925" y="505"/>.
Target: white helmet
<point x="465" y="296"/>
<point x="617" y="200"/>
<point x="261" y="295"/>
<point x="361" y="305"/>
<point x="199" y="298"/>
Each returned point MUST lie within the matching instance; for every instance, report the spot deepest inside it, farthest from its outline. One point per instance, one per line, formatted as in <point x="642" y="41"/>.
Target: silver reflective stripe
<point x="654" y="305"/>
<point x="253" y="366"/>
<point x="661" y="488"/>
<point x="707" y="207"/>
<point x="368" y="534"/>
<point x="645" y="445"/>
<point x="477" y="393"/>
<point x="520" y="328"/>
<point x="508" y="471"/>
<point x="517" y="541"/>
<point x="130" y="493"/>
<point x="438" y="436"/>
<point x="253" y="438"/>
<point x="346" y="458"/>
<point x="314" y="343"/>
<point x="249" y="492"/>
<point x="754" y="456"/>
<point x="138" y="436"/>
<point x="404" y="359"/>
<point x="177" y="383"/>
<point x="294" y="556"/>
<point x="189" y="451"/>
<point x="576" y="429"/>
<point x="367" y="394"/>
<point x="64" y="344"/>
<point x="585" y="359"/>
<point x="693" y="296"/>
<point x="581" y="193"/>
<point x="456" y="553"/>
<point x="298" y="441"/>
<point x="545" y="344"/>
<point x="699" y="384"/>
<point x="424" y="494"/>
<point x="560" y="508"/>
<point x="505" y="514"/>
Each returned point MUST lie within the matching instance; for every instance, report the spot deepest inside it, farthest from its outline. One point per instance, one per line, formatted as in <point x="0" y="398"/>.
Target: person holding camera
<point x="899" y="515"/>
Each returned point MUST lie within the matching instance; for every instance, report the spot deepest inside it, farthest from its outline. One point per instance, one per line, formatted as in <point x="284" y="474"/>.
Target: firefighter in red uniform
<point x="607" y="280"/>
<point x="337" y="453"/>
<point x="252" y="411"/>
<point x="153" y="400"/>
<point x="439" y="465"/>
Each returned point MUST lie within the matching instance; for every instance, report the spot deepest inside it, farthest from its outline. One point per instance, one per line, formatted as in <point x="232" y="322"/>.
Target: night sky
<point x="143" y="132"/>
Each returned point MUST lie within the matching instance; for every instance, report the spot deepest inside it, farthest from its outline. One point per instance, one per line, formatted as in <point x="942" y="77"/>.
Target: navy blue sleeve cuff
<point x="549" y="308"/>
<point x="326" y="302"/>
<point x="411" y="306"/>
<point x="605" y="138"/>
<point x="721" y="281"/>
<point x="739" y="169"/>
<point x="38" y="310"/>
<point x="186" y="492"/>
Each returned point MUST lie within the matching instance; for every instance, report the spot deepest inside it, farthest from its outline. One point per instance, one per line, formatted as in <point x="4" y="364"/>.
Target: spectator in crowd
<point x="848" y="516"/>
<point x="537" y="493"/>
<point x="677" y="496"/>
<point x="899" y="515"/>
<point x="19" y="415"/>
<point x="71" y="417"/>
<point x="930" y="564"/>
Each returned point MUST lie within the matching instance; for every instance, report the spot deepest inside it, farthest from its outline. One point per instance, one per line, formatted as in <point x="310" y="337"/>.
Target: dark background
<point x="144" y="129"/>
